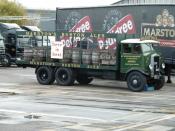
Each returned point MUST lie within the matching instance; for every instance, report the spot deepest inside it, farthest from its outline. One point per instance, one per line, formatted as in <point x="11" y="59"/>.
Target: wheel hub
<point x="64" y="76"/>
<point x="135" y="82"/>
<point x="44" y="76"/>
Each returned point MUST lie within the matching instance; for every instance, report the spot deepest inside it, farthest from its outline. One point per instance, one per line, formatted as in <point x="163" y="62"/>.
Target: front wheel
<point x="64" y="76"/>
<point x="6" y="61"/>
<point x="136" y="81"/>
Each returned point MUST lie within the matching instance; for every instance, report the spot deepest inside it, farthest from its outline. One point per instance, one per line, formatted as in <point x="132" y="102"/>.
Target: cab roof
<point x="31" y="28"/>
<point x="10" y="26"/>
<point x="138" y="41"/>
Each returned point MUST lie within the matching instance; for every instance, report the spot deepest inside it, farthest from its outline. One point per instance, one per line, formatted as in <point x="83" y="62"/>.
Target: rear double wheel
<point x="45" y="75"/>
<point x="64" y="76"/>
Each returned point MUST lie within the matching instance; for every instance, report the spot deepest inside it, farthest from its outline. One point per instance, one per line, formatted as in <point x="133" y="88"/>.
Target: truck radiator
<point x="156" y="64"/>
<point x="2" y="51"/>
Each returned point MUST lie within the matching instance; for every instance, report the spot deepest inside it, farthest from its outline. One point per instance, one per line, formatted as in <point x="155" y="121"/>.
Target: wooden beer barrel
<point x="113" y="57"/>
<point x="76" y="56"/>
<point x="67" y="55"/>
<point x="95" y="57"/>
<point x="86" y="57"/>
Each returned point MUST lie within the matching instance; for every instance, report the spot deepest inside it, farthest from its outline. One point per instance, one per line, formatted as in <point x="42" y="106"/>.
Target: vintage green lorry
<point x="94" y="55"/>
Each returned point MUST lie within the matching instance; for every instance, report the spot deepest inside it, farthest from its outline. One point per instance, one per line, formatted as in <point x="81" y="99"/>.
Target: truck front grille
<point x="156" y="64"/>
<point x="2" y="50"/>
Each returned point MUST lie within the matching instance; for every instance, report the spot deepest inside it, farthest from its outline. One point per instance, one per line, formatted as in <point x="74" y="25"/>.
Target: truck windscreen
<point x="1" y="43"/>
<point x="147" y="47"/>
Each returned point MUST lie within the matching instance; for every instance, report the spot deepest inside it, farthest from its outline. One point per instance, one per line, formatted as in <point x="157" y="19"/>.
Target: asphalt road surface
<point x="102" y="105"/>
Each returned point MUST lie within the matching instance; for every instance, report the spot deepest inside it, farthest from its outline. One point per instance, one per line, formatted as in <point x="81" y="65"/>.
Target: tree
<point x="9" y="8"/>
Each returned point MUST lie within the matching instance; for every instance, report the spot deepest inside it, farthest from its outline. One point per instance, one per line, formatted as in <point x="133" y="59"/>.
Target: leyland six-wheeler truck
<point x="89" y="55"/>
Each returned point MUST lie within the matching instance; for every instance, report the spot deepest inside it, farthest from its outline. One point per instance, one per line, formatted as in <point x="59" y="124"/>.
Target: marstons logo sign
<point x="165" y="19"/>
<point x="163" y="28"/>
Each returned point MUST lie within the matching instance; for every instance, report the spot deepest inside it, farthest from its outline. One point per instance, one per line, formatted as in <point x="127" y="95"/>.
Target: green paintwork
<point x="131" y="61"/>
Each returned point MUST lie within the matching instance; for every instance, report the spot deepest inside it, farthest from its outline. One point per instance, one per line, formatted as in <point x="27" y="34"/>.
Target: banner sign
<point x="57" y="50"/>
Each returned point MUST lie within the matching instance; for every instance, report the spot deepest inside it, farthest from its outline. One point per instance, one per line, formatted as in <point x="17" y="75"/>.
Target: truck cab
<point x="141" y="63"/>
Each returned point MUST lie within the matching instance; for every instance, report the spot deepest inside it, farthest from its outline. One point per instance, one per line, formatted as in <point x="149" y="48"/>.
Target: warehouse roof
<point x="129" y="2"/>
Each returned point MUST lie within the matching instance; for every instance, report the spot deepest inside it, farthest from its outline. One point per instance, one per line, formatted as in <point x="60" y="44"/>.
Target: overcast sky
<point x="52" y="4"/>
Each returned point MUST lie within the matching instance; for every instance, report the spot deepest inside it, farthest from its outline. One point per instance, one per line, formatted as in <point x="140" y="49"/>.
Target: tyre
<point x="7" y="61"/>
<point x="64" y="76"/>
<point x="53" y="75"/>
<point x="158" y="84"/>
<point x="45" y="75"/>
<point x="83" y="79"/>
<point x="136" y="81"/>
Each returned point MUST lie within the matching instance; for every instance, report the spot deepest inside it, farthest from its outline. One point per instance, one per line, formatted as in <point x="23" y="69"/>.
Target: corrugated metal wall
<point x="145" y="2"/>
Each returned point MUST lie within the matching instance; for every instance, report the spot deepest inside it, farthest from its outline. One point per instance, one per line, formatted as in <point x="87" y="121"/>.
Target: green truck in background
<point x="93" y="55"/>
<point x="2" y="51"/>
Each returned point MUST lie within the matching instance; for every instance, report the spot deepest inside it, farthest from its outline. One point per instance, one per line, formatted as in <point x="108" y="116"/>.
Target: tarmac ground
<point x="103" y="105"/>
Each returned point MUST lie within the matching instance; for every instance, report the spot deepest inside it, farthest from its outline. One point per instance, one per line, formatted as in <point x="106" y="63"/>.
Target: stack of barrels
<point x="95" y="57"/>
<point x="73" y="55"/>
<point x="107" y="57"/>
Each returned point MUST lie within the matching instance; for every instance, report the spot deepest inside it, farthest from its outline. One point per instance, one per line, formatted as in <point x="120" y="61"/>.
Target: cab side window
<point x="10" y="39"/>
<point x="136" y="48"/>
<point x="126" y="48"/>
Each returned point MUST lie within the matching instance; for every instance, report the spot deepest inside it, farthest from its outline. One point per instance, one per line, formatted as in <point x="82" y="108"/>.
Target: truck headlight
<point x="163" y="65"/>
<point x="18" y="58"/>
<point x="150" y="67"/>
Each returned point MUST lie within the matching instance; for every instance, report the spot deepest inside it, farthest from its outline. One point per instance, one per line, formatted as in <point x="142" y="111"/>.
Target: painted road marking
<point x="27" y="75"/>
<point x="9" y="84"/>
<point x="158" y="127"/>
<point x="52" y="115"/>
<point x="146" y="123"/>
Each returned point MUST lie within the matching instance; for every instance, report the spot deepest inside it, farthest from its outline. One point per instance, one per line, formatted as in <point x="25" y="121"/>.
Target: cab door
<point x="131" y="57"/>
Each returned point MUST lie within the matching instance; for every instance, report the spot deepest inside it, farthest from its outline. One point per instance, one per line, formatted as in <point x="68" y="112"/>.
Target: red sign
<point x="125" y="25"/>
<point x="84" y="25"/>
